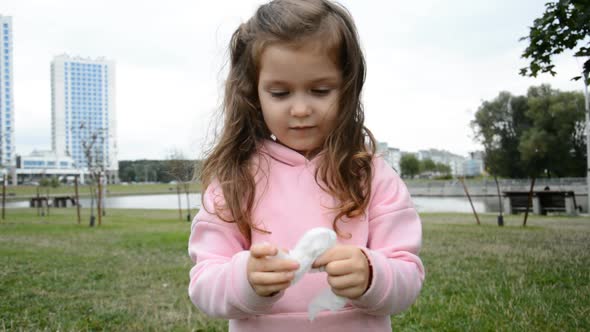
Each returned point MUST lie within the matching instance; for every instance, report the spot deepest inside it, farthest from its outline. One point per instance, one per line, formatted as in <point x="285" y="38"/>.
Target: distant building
<point x="46" y="159"/>
<point x="455" y="162"/>
<point x="7" y="148"/>
<point x="391" y="156"/>
<point x="83" y="106"/>
<point x="45" y="163"/>
<point x="474" y="165"/>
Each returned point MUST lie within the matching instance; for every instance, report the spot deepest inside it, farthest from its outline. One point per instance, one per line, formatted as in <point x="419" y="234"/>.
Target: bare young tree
<point x="92" y="147"/>
<point x="182" y="170"/>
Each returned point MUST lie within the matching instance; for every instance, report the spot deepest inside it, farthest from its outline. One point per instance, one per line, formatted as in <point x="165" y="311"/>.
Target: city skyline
<point x="429" y="67"/>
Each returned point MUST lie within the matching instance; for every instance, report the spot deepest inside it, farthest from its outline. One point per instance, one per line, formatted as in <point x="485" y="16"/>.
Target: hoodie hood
<point x="284" y="154"/>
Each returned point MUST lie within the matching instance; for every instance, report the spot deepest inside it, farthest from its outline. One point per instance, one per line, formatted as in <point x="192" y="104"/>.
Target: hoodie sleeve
<point x="218" y="284"/>
<point x="395" y="236"/>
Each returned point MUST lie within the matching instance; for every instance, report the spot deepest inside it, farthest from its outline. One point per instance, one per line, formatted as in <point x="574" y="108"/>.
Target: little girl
<point x="294" y="154"/>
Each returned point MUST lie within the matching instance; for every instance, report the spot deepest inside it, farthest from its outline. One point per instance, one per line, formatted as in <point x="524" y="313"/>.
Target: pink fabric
<point x="288" y="203"/>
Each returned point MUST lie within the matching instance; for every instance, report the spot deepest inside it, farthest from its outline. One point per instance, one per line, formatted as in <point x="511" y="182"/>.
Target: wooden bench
<point x="56" y="201"/>
<point x="543" y="201"/>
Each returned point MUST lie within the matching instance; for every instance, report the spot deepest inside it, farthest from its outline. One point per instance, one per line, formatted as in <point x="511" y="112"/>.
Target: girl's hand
<point x="348" y="270"/>
<point x="267" y="275"/>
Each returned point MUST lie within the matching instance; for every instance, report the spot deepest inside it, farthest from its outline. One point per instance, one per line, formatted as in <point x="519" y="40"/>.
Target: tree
<point x="555" y="143"/>
<point x="182" y="170"/>
<point x="498" y="125"/>
<point x="443" y="169"/>
<point x="427" y="165"/>
<point x="564" y="24"/>
<point x="526" y="135"/>
<point x="410" y="165"/>
<point x="92" y="146"/>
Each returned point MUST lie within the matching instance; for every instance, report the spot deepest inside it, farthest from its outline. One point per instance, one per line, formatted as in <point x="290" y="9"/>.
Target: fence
<point x="487" y="187"/>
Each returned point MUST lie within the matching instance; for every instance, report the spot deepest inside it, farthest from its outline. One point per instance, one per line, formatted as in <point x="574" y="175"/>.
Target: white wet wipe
<point x="312" y="245"/>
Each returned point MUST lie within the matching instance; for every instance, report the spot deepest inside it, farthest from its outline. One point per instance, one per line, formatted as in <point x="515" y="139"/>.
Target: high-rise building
<point x="6" y="94"/>
<point x="391" y="156"/>
<point x="83" y="113"/>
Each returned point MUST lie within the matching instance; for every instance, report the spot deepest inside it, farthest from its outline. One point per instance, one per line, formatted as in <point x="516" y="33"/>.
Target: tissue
<point x="311" y="246"/>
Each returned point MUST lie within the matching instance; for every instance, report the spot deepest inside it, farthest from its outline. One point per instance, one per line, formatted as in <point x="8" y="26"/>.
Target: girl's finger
<point x="277" y="265"/>
<point x="345" y="281"/>
<point x="262" y="250"/>
<point x="270" y="278"/>
<point x="271" y="289"/>
<point x="343" y="267"/>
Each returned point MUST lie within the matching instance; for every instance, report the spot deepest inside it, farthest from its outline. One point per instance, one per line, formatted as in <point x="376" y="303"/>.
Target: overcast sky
<point x="430" y="64"/>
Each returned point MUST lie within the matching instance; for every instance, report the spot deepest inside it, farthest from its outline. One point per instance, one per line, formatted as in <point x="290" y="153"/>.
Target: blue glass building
<point x="6" y="94"/>
<point x="83" y="111"/>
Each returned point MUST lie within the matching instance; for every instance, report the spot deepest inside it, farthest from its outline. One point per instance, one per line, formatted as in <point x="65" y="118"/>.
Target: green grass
<point x="131" y="274"/>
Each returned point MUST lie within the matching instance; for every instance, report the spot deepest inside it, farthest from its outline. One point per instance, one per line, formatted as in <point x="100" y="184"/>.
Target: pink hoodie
<point x="288" y="203"/>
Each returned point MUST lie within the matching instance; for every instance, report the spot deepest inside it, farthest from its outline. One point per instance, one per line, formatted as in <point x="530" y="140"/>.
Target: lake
<point x="170" y="201"/>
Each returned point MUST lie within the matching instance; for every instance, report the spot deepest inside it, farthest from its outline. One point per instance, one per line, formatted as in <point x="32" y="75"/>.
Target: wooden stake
<point x="98" y="206"/>
<point x="179" y="202"/>
<point x="526" y="212"/>
<point x="4" y="197"/>
<point x="77" y="197"/>
<point x="470" y="202"/>
<point x="47" y="201"/>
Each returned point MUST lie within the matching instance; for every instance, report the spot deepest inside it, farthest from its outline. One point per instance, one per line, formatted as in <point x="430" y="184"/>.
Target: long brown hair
<point x="344" y="169"/>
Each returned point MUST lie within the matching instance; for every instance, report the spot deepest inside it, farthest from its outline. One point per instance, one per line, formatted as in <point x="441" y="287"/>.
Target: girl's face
<point x="299" y="89"/>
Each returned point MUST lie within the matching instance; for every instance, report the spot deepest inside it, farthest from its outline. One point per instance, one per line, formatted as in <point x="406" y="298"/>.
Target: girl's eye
<point x="320" y="92"/>
<point x="278" y="94"/>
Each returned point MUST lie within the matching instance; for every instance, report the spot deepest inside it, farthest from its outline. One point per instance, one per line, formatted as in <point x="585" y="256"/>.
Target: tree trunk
<point x="500" y="217"/>
<point x="77" y="197"/>
<point x="92" y="193"/>
<point x="4" y="197"/>
<point x="179" y="202"/>
<point x="38" y="202"/>
<point x="526" y="212"/>
<point x="98" y="203"/>
<point x="104" y="196"/>
<point x="469" y="197"/>
<point x="47" y="196"/>
<point x="188" y="205"/>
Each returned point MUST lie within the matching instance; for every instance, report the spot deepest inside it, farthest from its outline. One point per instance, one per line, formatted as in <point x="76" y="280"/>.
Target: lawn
<point x="131" y="274"/>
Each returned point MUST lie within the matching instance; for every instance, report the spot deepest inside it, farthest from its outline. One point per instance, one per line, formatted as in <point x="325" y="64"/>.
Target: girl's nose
<point x="300" y="108"/>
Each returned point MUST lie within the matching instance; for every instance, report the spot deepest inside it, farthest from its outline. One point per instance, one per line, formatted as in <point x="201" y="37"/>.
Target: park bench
<point x="55" y="201"/>
<point x="543" y="201"/>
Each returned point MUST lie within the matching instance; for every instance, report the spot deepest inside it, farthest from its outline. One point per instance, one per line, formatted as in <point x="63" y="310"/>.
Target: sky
<point x="430" y="64"/>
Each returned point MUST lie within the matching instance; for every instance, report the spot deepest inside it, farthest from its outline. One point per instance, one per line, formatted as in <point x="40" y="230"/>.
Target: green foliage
<point x="556" y="141"/>
<point x="44" y="182"/>
<point x="447" y="176"/>
<point x="526" y="135"/>
<point x="498" y="125"/>
<point x="150" y="170"/>
<point x="430" y="168"/>
<point x="443" y="169"/>
<point x="52" y="182"/>
<point x="410" y="165"/>
<point x="427" y="165"/>
<point x="564" y="24"/>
